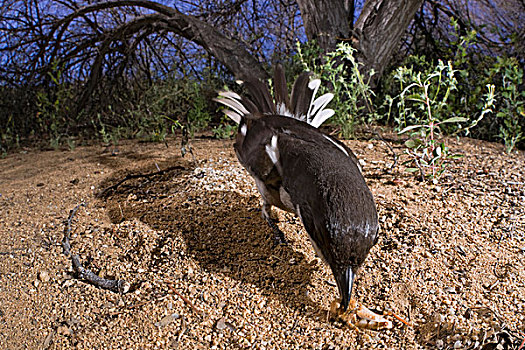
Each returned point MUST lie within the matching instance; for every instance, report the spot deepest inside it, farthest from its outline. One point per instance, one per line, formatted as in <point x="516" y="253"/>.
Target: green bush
<point x="467" y="86"/>
<point x="117" y="110"/>
<point x="340" y="75"/>
<point x="511" y="96"/>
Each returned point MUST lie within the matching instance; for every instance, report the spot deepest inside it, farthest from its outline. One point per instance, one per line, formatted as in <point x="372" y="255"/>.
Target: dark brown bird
<point x="299" y="169"/>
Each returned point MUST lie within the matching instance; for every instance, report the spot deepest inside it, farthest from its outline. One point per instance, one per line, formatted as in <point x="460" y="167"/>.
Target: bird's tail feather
<point x="301" y="105"/>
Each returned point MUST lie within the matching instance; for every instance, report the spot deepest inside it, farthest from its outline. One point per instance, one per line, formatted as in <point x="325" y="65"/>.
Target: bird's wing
<point x="328" y="191"/>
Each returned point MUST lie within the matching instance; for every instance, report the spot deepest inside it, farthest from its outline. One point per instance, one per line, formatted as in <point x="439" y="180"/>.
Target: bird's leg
<point x="279" y="235"/>
<point x="360" y="316"/>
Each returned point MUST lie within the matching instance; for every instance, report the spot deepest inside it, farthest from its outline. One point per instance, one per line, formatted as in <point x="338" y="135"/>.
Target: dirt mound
<point x="203" y="269"/>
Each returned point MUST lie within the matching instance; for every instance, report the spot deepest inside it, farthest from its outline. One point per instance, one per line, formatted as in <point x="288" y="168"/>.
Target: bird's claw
<point x="359" y="316"/>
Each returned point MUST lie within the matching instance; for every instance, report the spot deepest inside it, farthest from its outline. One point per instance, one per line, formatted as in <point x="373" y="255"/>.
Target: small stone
<point x="221" y="324"/>
<point x="166" y="320"/>
<point x="63" y="330"/>
<point x="67" y="283"/>
<point x="457" y="344"/>
<point x="44" y="276"/>
<point x="439" y="344"/>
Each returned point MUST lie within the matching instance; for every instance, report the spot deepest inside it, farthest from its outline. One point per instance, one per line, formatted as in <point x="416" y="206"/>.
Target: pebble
<point x="221" y="324"/>
<point x="44" y="276"/>
<point x="63" y="330"/>
<point x="439" y="344"/>
<point x="166" y="320"/>
<point x="458" y="344"/>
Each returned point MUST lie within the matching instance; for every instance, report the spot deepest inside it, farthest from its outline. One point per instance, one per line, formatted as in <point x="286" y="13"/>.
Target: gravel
<point x="203" y="270"/>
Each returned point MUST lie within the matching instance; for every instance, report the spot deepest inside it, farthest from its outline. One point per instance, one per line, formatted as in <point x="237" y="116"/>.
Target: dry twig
<point x="137" y="176"/>
<point x="117" y="286"/>
<point x="66" y="245"/>
<point x="186" y="300"/>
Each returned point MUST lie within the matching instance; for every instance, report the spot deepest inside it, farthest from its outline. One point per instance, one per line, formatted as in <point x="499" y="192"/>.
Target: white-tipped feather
<point x="233" y="104"/>
<point x="313" y="85"/>
<point x="283" y="110"/>
<point x="316" y="115"/>
<point x="272" y="150"/>
<point x="230" y="94"/>
<point x="321" y="117"/>
<point x="233" y="115"/>
<point x="320" y="103"/>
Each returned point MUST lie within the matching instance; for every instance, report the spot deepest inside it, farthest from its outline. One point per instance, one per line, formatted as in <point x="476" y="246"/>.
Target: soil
<point x="203" y="269"/>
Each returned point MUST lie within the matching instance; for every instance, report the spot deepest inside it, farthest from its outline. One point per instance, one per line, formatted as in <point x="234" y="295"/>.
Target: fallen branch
<point x="117" y="286"/>
<point x="186" y="300"/>
<point x="66" y="246"/>
<point x="137" y="176"/>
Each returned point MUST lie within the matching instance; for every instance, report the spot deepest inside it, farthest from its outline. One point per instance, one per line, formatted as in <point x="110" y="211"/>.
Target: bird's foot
<point x="278" y="234"/>
<point x="359" y="316"/>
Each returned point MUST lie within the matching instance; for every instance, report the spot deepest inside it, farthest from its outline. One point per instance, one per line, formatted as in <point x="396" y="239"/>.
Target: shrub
<point x="339" y="73"/>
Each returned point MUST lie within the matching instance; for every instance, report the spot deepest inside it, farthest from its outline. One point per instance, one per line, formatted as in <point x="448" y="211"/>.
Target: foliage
<point x="339" y="73"/>
<point x="486" y="92"/>
<point x="426" y="153"/>
<point x="224" y="130"/>
<point x="512" y="102"/>
<point x="424" y="109"/>
<point x="53" y="109"/>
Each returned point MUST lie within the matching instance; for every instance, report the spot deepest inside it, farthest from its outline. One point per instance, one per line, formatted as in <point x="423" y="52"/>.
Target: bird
<point x="302" y="170"/>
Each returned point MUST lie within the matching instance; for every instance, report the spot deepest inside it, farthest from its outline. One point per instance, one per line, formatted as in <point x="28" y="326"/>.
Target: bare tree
<point x="119" y="28"/>
<point x="107" y="45"/>
<point x="499" y="26"/>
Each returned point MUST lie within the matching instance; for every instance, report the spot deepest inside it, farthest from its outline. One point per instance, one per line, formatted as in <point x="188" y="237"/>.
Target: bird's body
<point x="299" y="169"/>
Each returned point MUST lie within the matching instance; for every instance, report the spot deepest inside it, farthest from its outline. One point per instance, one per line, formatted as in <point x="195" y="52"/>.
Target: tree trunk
<point x="326" y="21"/>
<point x="376" y="33"/>
<point x="379" y="29"/>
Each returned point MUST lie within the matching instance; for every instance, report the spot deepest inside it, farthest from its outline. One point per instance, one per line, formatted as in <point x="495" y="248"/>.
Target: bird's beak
<point x="345" y="282"/>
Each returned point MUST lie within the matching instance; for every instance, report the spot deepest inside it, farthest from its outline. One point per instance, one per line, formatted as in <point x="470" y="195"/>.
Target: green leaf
<point x="454" y="120"/>
<point x="413" y="143"/>
<point x="411" y="127"/>
<point x="412" y="170"/>
<point x="456" y="156"/>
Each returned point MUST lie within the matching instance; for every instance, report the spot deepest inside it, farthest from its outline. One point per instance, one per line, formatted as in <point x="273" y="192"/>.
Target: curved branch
<point x="233" y="55"/>
<point x="230" y="53"/>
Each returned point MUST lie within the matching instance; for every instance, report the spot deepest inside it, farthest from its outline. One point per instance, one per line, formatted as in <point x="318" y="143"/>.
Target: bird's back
<point x="323" y="180"/>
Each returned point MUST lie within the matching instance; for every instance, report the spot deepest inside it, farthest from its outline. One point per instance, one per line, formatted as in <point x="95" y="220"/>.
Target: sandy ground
<point x="204" y="273"/>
